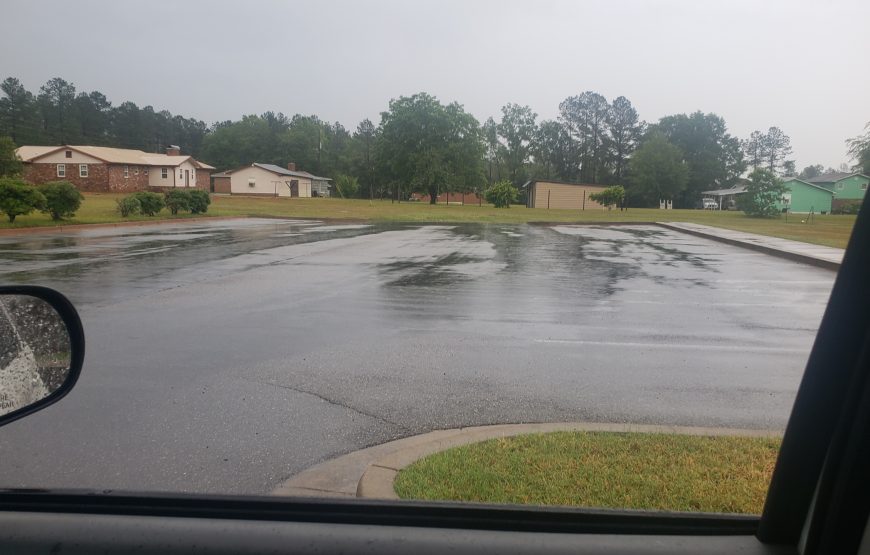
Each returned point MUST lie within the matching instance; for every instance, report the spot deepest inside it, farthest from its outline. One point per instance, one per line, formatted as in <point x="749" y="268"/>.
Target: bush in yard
<point x="177" y="199"/>
<point x="762" y="194"/>
<point x="610" y="196"/>
<point x="62" y="199"/>
<point x="346" y="186"/>
<point x="18" y="198"/>
<point x="129" y="206"/>
<point x="501" y="194"/>
<point x="199" y="201"/>
<point x="150" y="203"/>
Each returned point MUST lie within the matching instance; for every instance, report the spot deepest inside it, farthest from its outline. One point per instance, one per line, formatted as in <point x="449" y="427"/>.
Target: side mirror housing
<point x="42" y="348"/>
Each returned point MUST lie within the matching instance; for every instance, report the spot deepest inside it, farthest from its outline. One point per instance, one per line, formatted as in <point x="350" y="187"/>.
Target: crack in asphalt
<point x="335" y="403"/>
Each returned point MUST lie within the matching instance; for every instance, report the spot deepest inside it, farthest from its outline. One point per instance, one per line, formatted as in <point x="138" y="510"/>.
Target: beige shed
<point x="560" y="195"/>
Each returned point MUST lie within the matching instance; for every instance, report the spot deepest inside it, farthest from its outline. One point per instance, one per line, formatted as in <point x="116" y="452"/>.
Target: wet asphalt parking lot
<point x="226" y="356"/>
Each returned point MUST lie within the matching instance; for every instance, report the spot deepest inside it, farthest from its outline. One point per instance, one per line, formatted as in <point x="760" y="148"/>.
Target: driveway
<point x="226" y="356"/>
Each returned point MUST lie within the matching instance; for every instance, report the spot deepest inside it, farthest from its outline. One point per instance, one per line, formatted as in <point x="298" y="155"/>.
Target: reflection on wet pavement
<point x="225" y="356"/>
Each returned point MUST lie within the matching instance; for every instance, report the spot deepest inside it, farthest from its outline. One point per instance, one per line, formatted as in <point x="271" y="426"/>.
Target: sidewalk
<point x="817" y="255"/>
<point x="370" y="473"/>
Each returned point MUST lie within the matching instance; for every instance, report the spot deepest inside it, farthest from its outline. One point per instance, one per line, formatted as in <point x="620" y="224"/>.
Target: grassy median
<point x="600" y="469"/>
<point x="100" y="208"/>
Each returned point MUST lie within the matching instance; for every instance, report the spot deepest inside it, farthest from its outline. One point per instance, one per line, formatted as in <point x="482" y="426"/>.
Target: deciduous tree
<point x="428" y="147"/>
<point x="762" y="194"/>
<point x="658" y="170"/>
<point x="516" y="130"/>
<point x="712" y="156"/>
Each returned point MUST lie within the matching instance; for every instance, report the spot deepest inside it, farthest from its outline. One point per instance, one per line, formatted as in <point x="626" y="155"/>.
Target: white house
<point x="275" y="181"/>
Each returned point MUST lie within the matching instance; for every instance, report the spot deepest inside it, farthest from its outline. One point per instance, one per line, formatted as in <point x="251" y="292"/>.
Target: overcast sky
<point x="798" y="65"/>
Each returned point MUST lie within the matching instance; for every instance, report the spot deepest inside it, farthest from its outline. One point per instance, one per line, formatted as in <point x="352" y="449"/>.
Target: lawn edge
<point x="370" y="473"/>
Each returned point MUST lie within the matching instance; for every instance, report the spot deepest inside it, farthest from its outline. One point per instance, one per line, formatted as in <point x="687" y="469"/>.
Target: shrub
<point x="177" y="199"/>
<point x="501" y="194"/>
<point x="849" y="208"/>
<point x="17" y="198"/>
<point x="346" y="186"/>
<point x="609" y="196"/>
<point x="199" y="201"/>
<point x="62" y="199"/>
<point x="129" y="206"/>
<point x="762" y="194"/>
<point x="149" y="203"/>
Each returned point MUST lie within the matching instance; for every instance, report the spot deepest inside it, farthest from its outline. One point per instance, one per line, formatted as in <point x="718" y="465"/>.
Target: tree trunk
<point x="433" y="195"/>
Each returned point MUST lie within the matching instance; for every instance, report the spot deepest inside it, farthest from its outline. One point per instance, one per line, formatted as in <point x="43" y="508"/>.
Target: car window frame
<point x="820" y="413"/>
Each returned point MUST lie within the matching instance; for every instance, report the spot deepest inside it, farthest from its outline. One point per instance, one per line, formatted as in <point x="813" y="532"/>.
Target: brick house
<point x="99" y="169"/>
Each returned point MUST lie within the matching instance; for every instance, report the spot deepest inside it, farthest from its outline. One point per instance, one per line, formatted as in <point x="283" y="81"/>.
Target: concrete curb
<point x="137" y="223"/>
<point x="370" y="473"/>
<point x="773" y="251"/>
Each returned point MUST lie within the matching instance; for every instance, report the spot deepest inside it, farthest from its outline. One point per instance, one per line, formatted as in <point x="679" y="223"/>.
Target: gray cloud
<point x="797" y="65"/>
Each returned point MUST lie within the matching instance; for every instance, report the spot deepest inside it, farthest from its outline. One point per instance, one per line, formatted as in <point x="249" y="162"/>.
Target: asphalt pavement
<point x="224" y="357"/>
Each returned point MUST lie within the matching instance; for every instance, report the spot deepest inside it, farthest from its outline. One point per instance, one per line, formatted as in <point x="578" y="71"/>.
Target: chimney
<point x="291" y="166"/>
<point x="173" y="150"/>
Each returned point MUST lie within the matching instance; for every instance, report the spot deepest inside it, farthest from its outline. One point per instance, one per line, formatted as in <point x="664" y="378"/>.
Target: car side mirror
<point x="42" y="348"/>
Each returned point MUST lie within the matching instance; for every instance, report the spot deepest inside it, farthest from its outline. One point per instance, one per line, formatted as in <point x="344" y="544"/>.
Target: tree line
<point x="421" y="145"/>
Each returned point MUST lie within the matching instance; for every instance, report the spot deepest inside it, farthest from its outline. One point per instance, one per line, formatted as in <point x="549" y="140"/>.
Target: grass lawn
<point x="601" y="469"/>
<point x="100" y="208"/>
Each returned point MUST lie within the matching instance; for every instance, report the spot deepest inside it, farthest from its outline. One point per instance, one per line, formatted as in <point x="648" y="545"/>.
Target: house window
<point x="145" y="171"/>
<point x="126" y="172"/>
<point x="68" y="154"/>
<point x="839" y="186"/>
<point x="252" y="182"/>
<point x="83" y="170"/>
<point x="164" y="173"/>
<point x="180" y="175"/>
<point x="135" y="170"/>
<point x="863" y="186"/>
<point x="61" y="170"/>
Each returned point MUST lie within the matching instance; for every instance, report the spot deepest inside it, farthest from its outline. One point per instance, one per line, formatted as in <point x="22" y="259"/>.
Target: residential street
<point x="226" y="356"/>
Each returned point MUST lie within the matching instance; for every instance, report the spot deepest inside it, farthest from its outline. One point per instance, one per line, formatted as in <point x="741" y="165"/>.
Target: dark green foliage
<point x="430" y="148"/>
<point x="848" y="208"/>
<point x="346" y="186"/>
<point x="10" y="164"/>
<point x="611" y="196"/>
<point x="62" y="199"/>
<point x="762" y="194"/>
<point x="150" y="204"/>
<point x="713" y="157"/>
<point x="129" y="206"/>
<point x="199" y="201"/>
<point x="501" y="194"/>
<point x="59" y="114"/>
<point x="177" y="199"/>
<point x="18" y="198"/>
<point x="658" y="171"/>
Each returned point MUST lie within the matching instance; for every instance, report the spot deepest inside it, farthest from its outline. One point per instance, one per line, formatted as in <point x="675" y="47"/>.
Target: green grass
<point x="825" y="230"/>
<point x="599" y="469"/>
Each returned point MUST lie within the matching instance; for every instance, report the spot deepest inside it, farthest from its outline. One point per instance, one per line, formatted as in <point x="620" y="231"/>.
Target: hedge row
<point x="60" y="199"/>
<point x="195" y="201"/>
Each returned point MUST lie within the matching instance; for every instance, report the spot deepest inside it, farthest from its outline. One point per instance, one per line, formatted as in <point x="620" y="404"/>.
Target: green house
<point x="848" y="188"/>
<point x="804" y="196"/>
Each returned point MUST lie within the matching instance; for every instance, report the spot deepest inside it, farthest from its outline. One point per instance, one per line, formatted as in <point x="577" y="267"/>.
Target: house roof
<point x="806" y="182"/>
<point x="284" y="171"/>
<point x="222" y="174"/>
<point x="533" y="181"/>
<point x="111" y="155"/>
<point x="829" y="177"/>
<point x="736" y="190"/>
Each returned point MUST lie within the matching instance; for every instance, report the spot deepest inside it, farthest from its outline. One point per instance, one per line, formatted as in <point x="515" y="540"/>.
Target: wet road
<point x="226" y="356"/>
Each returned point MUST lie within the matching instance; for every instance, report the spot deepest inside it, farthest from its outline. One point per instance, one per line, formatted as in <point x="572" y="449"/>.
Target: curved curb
<point x="370" y="473"/>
